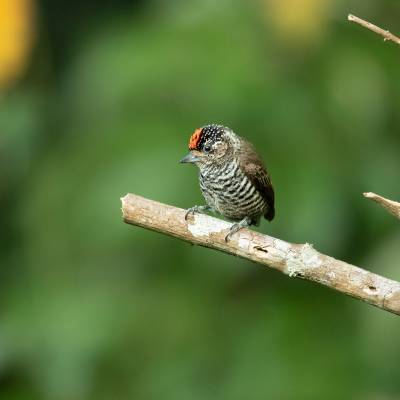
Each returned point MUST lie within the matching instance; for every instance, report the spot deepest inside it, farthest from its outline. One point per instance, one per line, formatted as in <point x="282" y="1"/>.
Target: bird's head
<point x="208" y="145"/>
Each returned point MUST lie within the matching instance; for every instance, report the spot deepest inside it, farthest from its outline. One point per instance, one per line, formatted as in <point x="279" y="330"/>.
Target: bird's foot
<point x="196" y="209"/>
<point x="244" y="223"/>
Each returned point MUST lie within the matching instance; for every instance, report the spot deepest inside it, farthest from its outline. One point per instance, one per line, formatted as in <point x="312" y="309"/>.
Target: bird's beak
<point x="190" y="158"/>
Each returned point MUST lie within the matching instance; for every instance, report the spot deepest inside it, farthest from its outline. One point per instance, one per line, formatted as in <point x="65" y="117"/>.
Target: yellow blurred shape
<point x="16" y="37"/>
<point x="298" y="20"/>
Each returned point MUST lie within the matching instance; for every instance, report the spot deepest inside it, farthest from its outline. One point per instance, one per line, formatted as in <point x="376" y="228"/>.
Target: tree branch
<point x="295" y="260"/>
<point x="385" y="34"/>
<point x="392" y="206"/>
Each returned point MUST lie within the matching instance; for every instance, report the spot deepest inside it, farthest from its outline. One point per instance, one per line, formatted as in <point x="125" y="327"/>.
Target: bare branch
<point x="385" y="34"/>
<point x="295" y="260"/>
<point x="392" y="206"/>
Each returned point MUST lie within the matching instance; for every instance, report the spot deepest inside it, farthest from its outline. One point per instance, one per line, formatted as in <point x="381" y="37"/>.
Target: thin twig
<point x="392" y="206"/>
<point x="295" y="260"/>
<point x="385" y="34"/>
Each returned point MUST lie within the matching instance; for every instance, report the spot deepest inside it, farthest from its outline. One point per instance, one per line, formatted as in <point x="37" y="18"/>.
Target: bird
<point x="233" y="178"/>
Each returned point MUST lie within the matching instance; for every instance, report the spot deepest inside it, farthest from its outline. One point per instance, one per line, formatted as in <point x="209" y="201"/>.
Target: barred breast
<point x="230" y="192"/>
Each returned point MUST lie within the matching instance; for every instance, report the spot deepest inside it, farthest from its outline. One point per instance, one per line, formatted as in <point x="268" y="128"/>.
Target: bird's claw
<point x="244" y="223"/>
<point x="197" y="209"/>
<point x="191" y="210"/>
<point x="228" y="237"/>
<point x="234" y="228"/>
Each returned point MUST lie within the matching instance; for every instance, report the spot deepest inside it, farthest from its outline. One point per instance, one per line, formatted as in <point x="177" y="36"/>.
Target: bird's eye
<point x="207" y="149"/>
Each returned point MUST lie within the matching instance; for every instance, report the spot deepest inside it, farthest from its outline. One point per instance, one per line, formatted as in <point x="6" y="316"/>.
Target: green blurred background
<point x="99" y="98"/>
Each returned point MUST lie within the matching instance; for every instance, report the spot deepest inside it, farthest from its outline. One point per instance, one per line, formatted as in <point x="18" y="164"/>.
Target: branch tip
<point x="391" y="206"/>
<point x="387" y="36"/>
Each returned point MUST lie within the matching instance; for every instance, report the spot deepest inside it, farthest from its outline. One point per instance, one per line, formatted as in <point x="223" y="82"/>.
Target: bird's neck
<point x="217" y="168"/>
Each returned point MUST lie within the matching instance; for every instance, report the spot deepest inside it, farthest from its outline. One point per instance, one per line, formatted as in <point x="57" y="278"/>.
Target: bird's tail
<point x="270" y="214"/>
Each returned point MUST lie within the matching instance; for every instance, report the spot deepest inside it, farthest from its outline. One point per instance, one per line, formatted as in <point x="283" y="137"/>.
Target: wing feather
<point x="254" y="168"/>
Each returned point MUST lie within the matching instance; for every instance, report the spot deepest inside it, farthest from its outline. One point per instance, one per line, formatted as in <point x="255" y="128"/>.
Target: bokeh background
<point x="98" y="98"/>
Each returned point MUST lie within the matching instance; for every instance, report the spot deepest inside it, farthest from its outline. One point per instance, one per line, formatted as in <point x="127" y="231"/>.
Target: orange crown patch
<point x="195" y="139"/>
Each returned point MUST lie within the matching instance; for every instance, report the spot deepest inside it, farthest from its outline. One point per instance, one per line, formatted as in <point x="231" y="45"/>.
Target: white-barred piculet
<point x="233" y="177"/>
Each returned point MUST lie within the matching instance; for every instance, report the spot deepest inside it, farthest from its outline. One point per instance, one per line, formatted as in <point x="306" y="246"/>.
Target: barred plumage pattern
<point x="228" y="190"/>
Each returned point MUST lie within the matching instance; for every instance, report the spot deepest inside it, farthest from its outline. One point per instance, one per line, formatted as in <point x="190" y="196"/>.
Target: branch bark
<point x="385" y="34"/>
<point x="392" y="206"/>
<point x="294" y="260"/>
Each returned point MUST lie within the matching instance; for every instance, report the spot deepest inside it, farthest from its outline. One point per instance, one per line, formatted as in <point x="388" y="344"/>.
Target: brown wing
<point x="255" y="170"/>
